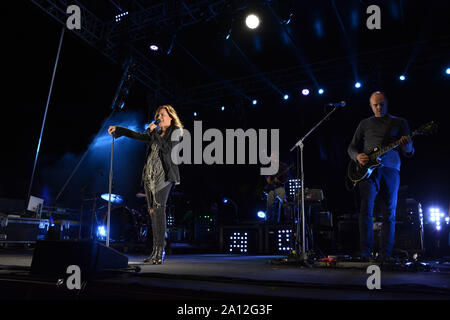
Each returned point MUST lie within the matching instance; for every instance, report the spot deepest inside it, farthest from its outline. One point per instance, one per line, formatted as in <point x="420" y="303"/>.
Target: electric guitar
<point x="357" y="172"/>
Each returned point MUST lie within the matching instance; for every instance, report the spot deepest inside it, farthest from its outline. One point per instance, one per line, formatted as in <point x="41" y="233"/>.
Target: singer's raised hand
<point x="111" y="129"/>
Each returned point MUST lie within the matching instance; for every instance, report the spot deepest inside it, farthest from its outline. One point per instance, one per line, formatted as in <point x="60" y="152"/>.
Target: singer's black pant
<point x="158" y="217"/>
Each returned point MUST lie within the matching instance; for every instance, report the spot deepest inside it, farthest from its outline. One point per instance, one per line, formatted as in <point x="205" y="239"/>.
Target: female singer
<point x="159" y="173"/>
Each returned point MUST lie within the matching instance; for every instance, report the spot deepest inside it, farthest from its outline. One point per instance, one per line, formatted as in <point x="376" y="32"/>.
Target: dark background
<point x="328" y="50"/>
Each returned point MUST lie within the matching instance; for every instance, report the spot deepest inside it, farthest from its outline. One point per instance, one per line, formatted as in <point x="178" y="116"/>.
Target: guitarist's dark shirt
<point x="373" y="131"/>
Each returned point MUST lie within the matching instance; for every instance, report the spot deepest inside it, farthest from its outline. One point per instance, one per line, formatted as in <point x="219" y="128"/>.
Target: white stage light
<point x="252" y="21"/>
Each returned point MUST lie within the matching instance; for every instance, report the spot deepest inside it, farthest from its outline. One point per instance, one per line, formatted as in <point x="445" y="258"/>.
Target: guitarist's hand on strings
<point x="406" y="144"/>
<point x="362" y="158"/>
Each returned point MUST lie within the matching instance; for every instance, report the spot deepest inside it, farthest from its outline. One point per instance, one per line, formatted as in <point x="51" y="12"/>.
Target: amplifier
<point x="313" y="194"/>
<point x="16" y="229"/>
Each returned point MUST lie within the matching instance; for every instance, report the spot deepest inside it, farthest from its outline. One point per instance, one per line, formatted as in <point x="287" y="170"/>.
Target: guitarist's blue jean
<point x="386" y="181"/>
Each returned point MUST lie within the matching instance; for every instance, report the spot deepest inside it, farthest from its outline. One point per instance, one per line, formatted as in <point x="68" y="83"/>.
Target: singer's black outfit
<point x="158" y="177"/>
<point x="372" y="132"/>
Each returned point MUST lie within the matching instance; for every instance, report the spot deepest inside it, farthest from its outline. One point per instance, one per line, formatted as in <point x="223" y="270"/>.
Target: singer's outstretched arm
<point x="121" y="131"/>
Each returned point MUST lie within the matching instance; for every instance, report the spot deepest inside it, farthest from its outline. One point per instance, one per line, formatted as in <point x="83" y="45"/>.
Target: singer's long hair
<point x="173" y="114"/>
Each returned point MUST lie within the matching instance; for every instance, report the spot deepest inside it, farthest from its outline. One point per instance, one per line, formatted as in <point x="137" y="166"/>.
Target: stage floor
<point x="224" y="276"/>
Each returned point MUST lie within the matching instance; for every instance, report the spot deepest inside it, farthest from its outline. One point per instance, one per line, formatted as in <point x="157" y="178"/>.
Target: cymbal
<point x="140" y="195"/>
<point x="115" y="198"/>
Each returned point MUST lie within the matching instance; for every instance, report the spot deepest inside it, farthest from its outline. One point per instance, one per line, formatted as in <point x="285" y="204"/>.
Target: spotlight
<point x="254" y="102"/>
<point x="154" y="47"/>
<point x="101" y="232"/>
<point x="402" y="78"/>
<point x="252" y="21"/>
<point x="321" y="91"/>
<point x="223" y="108"/>
<point x="358" y="85"/>
<point x="228" y="34"/>
<point x="195" y="114"/>
<point x="288" y="20"/>
<point x="305" y="92"/>
<point x="261" y="214"/>
<point x="286" y="96"/>
<point x="447" y="71"/>
<point x="225" y="200"/>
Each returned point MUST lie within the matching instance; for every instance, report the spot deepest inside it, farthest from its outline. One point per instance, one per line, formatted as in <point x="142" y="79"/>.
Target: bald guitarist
<point x="379" y="130"/>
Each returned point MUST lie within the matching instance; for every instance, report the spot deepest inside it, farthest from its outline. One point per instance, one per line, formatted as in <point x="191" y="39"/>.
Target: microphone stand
<point x="303" y="257"/>
<point x="110" y="189"/>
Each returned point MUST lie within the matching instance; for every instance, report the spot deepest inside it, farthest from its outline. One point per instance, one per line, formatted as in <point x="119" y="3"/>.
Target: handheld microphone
<point x="156" y="122"/>
<point x="337" y="104"/>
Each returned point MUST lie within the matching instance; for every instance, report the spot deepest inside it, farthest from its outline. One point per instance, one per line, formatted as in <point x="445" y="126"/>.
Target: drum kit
<point x="126" y="224"/>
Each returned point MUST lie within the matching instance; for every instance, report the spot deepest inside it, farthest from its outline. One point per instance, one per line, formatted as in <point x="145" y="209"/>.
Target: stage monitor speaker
<point x="52" y="257"/>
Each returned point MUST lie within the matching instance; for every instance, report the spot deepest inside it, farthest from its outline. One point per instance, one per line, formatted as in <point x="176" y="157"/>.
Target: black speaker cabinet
<point x="52" y="257"/>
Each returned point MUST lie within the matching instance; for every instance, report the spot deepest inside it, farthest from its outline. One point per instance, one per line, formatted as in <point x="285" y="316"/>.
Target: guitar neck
<point x="391" y="146"/>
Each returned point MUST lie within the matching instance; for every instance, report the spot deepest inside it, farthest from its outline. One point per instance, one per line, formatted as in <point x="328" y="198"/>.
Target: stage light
<point x="120" y="16"/>
<point x="170" y="221"/>
<point x="402" y="78"/>
<point x="293" y="186"/>
<point x="254" y="102"/>
<point x="154" y="47"/>
<point x="286" y="96"/>
<point x="195" y="114"/>
<point x="225" y="200"/>
<point x="358" y="85"/>
<point x="228" y="34"/>
<point x="252" y="21"/>
<point x="283" y="240"/>
<point x="101" y="232"/>
<point x="238" y="242"/>
<point x="321" y="91"/>
<point x="223" y="108"/>
<point x="435" y="215"/>
<point x="261" y="214"/>
<point x="288" y="20"/>
<point x="305" y="92"/>
<point x="447" y="71"/>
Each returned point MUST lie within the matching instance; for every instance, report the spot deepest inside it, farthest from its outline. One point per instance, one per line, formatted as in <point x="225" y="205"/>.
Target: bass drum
<point x="124" y="225"/>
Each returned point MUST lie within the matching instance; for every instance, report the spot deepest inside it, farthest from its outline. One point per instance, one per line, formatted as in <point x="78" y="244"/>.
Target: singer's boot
<point x="152" y="256"/>
<point x="160" y="255"/>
